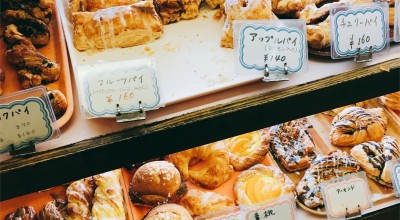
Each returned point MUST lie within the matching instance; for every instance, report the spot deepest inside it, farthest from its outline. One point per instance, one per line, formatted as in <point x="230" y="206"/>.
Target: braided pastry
<point x="391" y="100"/>
<point x="355" y="125"/>
<point x="372" y="157"/>
<point x="79" y="195"/>
<point x="335" y="164"/>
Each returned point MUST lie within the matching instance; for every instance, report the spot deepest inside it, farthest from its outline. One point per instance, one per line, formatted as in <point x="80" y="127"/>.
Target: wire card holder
<point x="275" y="76"/>
<point x="29" y="150"/>
<point x="130" y="116"/>
<point x="363" y="57"/>
<point x="354" y="214"/>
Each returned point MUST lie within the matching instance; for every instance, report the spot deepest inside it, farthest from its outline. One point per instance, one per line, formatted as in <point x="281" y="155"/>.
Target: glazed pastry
<point x="372" y="157"/>
<point x="261" y="183"/>
<point x="244" y="10"/>
<point x="168" y="212"/>
<point x="2" y="79"/>
<point x="22" y="213"/>
<point x="355" y="125"/>
<point x="108" y="202"/>
<point x="58" y="102"/>
<point x="172" y="11"/>
<point x="216" y="170"/>
<point x="120" y="26"/>
<point x="200" y="202"/>
<point x="94" y="5"/>
<point x="391" y="100"/>
<point x="50" y="212"/>
<point x="80" y="195"/>
<point x="247" y="149"/>
<point x="335" y="164"/>
<point x="336" y="111"/>
<point x="292" y="145"/>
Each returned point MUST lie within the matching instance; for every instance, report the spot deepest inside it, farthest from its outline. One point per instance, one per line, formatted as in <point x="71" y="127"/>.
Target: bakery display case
<point x="205" y="102"/>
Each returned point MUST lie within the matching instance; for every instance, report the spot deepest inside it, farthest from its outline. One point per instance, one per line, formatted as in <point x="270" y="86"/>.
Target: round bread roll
<point x="156" y="182"/>
<point x="168" y="211"/>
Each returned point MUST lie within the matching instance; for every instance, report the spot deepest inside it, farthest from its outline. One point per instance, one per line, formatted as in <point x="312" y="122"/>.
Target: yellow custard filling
<point x="260" y="187"/>
<point x="245" y="144"/>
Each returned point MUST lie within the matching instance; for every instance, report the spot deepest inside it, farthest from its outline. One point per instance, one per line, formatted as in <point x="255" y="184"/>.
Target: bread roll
<point x="168" y="211"/>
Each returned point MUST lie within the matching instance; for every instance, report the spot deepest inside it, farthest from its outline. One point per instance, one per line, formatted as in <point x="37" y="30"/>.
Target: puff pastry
<point x="200" y="202"/>
<point x="372" y="157"/>
<point x="391" y="100"/>
<point x="94" y="5"/>
<point x="335" y="164"/>
<point x="216" y="170"/>
<point x="80" y="195"/>
<point x="247" y="149"/>
<point x="120" y="26"/>
<point x="355" y="125"/>
<point x="108" y="202"/>
<point x="292" y="145"/>
<point x="175" y="10"/>
<point x="243" y="10"/>
<point x="261" y="183"/>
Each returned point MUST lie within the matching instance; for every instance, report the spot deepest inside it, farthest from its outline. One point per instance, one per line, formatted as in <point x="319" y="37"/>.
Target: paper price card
<point x="271" y="43"/>
<point x="275" y="209"/>
<point x="360" y="28"/>
<point x="394" y="167"/>
<point x="346" y="195"/>
<point x="26" y="118"/>
<point x="128" y="85"/>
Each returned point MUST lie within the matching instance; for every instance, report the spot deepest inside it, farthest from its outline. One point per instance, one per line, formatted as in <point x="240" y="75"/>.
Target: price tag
<point x="127" y="86"/>
<point x="275" y="209"/>
<point x="26" y="118"/>
<point x="233" y="213"/>
<point x="397" y="21"/>
<point x="346" y="195"/>
<point x="278" y="45"/>
<point x="359" y="29"/>
<point x="394" y="167"/>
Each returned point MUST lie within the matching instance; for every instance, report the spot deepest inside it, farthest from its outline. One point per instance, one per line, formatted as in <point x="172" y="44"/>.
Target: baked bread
<point x="79" y="196"/>
<point x="175" y="10"/>
<point x="120" y="26"/>
<point x="372" y="157"/>
<point x="156" y="182"/>
<point x="108" y="202"/>
<point x="216" y="170"/>
<point x="261" y="183"/>
<point x="391" y="101"/>
<point x="292" y="145"/>
<point x="335" y="164"/>
<point x="200" y="202"/>
<point x="168" y="212"/>
<point x="50" y="212"/>
<point x="244" y="10"/>
<point x="247" y="149"/>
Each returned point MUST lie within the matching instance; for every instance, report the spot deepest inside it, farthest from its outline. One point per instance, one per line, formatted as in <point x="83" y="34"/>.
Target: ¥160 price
<point x="364" y="39"/>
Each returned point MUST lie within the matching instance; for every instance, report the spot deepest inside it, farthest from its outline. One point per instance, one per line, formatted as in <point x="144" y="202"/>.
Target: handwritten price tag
<point x="395" y="175"/>
<point x="282" y="208"/>
<point x="23" y="122"/>
<point x="346" y="195"/>
<point x="272" y="43"/>
<point x="358" y="29"/>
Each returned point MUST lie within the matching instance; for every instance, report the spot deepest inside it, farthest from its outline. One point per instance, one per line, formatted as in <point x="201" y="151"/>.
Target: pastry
<point x="372" y="157"/>
<point x="215" y="3"/>
<point x="2" y="79"/>
<point x="336" y="111"/>
<point x="80" y="195"/>
<point x="247" y="149"/>
<point x="38" y="9"/>
<point x="22" y="213"/>
<point x="335" y="164"/>
<point x="292" y="145"/>
<point x="199" y="202"/>
<point x="156" y="182"/>
<point x="94" y="5"/>
<point x="108" y="202"/>
<point x="391" y="100"/>
<point x="168" y="212"/>
<point x="58" y="102"/>
<point x="49" y="212"/>
<point x="175" y="10"/>
<point x="119" y="26"/>
<point x="261" y="183"/>
<point x="216" y="170"/>
<point x="244" y="10"/>
<point x="355" y="125"/>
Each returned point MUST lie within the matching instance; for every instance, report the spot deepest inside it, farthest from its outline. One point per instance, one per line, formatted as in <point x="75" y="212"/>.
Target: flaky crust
<point x="173" y="11"/>
<point x="292" y="145"/>
<point x="355" y="125"/>
<point x="372" y="157"/>
<point x="168" y="211"/>
<point x="94" y="5"/>
<point x="200" y="202"/>
<point x="287" y="185"/>
<point x="255" y="141"/>
<point x="217" y="169"/>
<point x="391" y="101"/>
<point x="80" y="195"/>
<point x="120" y="26"/>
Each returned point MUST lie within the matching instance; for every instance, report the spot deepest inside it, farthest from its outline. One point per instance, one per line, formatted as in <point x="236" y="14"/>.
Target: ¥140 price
<point x="26" y="134"/>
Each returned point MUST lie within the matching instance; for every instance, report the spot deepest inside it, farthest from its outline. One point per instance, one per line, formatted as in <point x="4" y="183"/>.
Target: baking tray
<point x="56" y="51"/>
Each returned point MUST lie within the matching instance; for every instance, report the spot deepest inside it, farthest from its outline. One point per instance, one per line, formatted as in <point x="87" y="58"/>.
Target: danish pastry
<point x="120" y="26"/>
<point x="168" y="211"/>
<point x="172" y="11"/>
<point x="49" y="212"/>
<point x="292" y="145"/>
<point x="24" y="213"/>
<point x="199" y="203"/>
<point x="216" y="170"/>
<point x="261" y="183"/>
<point x="94" y="5"/>
<point x="80" y="195"/>
<point x="355" y="125"/>
<point x="391" y="100"/>
<point x="247" y="149"/>
<point x="372" y="157"/>
<point x="335" y="164"/>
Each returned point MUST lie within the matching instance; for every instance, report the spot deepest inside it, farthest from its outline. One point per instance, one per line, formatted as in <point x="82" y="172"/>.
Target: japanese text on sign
<point x="361" y="30"/>
<point x="261" y="45"/>
<point x="282" y="209"/>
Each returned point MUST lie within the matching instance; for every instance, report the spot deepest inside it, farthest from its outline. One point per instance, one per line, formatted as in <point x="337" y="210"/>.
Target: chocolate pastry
<point x="58" y="102"/>
<point x="50" y="212"/>
<point x="22" y="213"/>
